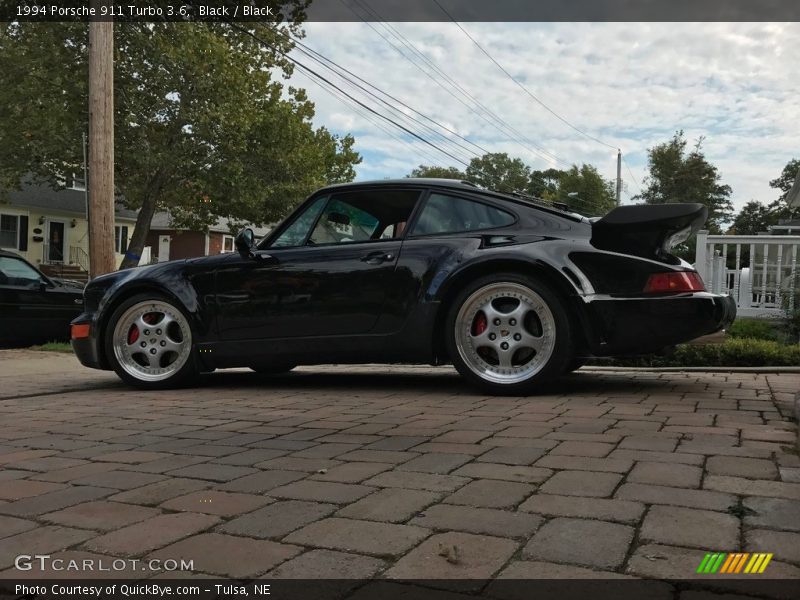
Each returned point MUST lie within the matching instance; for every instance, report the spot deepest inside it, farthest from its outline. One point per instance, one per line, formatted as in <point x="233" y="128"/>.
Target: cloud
<point x="629" y="84"/>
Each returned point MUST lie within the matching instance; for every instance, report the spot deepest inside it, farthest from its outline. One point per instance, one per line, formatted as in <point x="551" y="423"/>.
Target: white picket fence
<point x="759" y="271"/>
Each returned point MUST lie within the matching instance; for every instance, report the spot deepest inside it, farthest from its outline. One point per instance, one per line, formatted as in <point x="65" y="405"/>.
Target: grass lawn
<point x="53" y="347"/>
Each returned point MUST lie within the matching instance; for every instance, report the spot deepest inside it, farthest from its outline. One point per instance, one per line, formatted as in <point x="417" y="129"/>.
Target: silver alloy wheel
<point x="505" y="332"/>
<point x="152" y="340"/>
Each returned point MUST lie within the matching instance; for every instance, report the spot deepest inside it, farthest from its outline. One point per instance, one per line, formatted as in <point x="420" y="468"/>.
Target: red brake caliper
<point x="479" y="324"/>
<point x="133" y="334"/>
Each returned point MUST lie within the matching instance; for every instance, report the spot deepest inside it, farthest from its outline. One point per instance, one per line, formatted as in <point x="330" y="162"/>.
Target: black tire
<point x="551" y="367"/>
<point x="272" y="369"/>
<point x="185" y="374"/>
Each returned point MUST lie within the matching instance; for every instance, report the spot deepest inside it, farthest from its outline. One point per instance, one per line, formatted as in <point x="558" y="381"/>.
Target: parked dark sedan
<point x="511" y="291"/>
<point x="34" y="308"/>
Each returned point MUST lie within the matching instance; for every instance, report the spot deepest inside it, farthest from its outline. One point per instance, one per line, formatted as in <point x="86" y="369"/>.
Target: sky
<point x="629" y="85"/>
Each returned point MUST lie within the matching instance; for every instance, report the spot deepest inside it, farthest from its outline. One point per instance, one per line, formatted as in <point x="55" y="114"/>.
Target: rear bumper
<point x="87" y="349"/>
<point x="646" y="325"/>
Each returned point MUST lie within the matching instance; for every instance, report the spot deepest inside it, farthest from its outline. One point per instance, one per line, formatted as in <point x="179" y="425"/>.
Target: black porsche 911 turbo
<point x="511" y="291"/>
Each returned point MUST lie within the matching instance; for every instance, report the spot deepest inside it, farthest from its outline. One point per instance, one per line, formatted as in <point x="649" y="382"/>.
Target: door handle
<point x="376" y="258"/>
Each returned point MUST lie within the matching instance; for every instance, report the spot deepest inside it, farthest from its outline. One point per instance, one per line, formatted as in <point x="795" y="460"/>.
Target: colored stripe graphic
<point x="734" y="563"/>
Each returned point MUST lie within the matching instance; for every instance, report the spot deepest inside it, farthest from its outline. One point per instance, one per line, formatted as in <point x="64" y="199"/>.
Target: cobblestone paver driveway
<point x="382" y="472"/>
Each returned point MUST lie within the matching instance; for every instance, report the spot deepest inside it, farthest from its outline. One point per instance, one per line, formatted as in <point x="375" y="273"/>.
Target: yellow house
<point x="50" y="229"/>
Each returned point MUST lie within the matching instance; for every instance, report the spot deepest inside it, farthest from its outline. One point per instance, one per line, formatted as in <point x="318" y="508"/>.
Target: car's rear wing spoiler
<point x="648" y="230"/>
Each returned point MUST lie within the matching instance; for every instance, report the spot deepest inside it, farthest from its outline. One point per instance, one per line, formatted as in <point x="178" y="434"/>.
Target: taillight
<point x="79" y="331"/>
<point x="676" y="281"/>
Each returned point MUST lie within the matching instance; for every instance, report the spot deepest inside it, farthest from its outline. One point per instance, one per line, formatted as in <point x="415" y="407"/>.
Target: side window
<point x="448" y="214"/>
<point x="16" y="272"/>
<point x="296" y="233"/>
<point x="363" y="216"/>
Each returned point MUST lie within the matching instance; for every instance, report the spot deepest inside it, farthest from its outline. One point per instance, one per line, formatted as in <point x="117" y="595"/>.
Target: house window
<point x="14" y="232"/>
<point x="121" y="239"/>
<point x="227" y="243"/>
<point x="75" y="182"/>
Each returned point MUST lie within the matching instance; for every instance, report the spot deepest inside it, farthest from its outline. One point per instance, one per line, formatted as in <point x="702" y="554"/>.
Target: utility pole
<point x="101" y="146"/>
<point x="619" y="176"/>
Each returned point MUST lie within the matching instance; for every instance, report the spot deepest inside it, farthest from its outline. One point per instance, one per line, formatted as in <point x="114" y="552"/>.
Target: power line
<point x="639" y="187"/>
<point x="520" y="85"/>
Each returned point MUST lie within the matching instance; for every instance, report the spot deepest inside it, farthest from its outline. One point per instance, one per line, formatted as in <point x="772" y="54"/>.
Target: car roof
<point x="7" y="253"/>
<point x="460" y="185"/>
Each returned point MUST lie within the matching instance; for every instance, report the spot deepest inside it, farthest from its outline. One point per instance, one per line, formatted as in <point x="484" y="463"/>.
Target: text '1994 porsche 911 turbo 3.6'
<point x="512" y="292"/>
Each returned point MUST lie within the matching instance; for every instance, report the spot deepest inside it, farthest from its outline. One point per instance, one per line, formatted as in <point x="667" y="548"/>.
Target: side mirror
<point x="244" y="241"/>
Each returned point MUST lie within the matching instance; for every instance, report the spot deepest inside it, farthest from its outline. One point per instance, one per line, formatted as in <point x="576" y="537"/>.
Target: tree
<point x="203" y="126"/>
<point x="784" y="184"/>
<point x="752" y="219"/>
<point x="499" y="172"/>
<point x="594" y="195"/>
<point x="439" y="172"/>
<point x="676" y="175"/>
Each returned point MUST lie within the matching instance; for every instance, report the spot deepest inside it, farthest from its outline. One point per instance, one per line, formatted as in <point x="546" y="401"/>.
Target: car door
<point x="328" y="272"/>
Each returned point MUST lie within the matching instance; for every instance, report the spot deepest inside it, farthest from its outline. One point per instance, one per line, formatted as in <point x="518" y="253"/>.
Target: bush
<point x="734" y="352"/>
<point x="757" y="329"/>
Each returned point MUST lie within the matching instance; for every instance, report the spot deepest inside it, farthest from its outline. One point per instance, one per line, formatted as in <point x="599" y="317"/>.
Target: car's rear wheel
<point x="508" y="334"/>
<point x="149" y="343"/>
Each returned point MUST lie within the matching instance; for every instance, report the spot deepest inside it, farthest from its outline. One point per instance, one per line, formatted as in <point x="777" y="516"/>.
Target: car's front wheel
<point x="149" y="343"/>
<point x="508" y="334"/>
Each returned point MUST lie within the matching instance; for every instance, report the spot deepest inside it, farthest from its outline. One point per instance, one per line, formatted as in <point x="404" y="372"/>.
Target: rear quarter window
<point x="451" y="214"/>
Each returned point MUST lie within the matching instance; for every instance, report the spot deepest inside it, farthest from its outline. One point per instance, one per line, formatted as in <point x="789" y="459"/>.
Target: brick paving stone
<point x="678" y="526"/>
<point x="417" y="481"/>
<point x="595" y="449"/>
<point x="531" y="569"/>
<point x="489" y="493"/>
<point x="278" y="519"/>
<point x="24" y="488"/>
<point x="433" y="462"/>
<point x="379" y="456"/>
<point x="148" y="535"/>
<point x="581" y="483"/>
<point x="61" y="498"/>
<point x="100" y="515"/>
<point x="12" y="457"/>
<point x="49" y="538"/>
<point x="583" y="542"/>
<point x="173" y="462"/>
<point x="649" y="443"/>
<point x="322" y="491"/>
<point x="512" y="456"/>
<point x="750" y="468"/>
<point x="506" y="472"/>
<point x="752" y="487"/>
<point x="291" y="463"/>
<point x="330" y="565"/>
<point x="258" y="483"/>
<point x="156" y="493"/>
<point x="132" y="456"/>
<point x="502" y="523"/>
<point x="389" y="505"/>
<point x="583" y="463"/>
<point x="659" y="473"/>
<point x="451" y="448"/>
<point x="531" y="431"/>
<point x="325" y="451"/>
<point x="212" y="502"/>
<point x="248" y="457"/>
<point x="366" y="537"/>
<point x="622" y="511"/>
<point x="784" y="544"/>
<point x="227" y="555"/>
<point x="478" y="557"/>
<point x="212" y="472"/>
<point x="121" y="480"/>
<point x="12" y="526"/>
<point x="396" y="443"/>
<point x="659" y="494"/>
<point x="460" y="436"/>
<point x="773" y="513"/>
<point x="352" y="472"/>
<point x="46" y="463"/>
<point x="669" y="457"/>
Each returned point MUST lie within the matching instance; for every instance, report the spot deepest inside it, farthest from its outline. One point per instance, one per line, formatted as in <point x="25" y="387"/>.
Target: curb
<point x="695" y="369"/>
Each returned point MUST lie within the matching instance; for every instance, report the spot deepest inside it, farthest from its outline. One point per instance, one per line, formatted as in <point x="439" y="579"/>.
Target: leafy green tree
<point x="678" y="175"/>
<point x="784" y="184"/>
<point x="439" y="172"/>
<point x="499" y="172"/>
<point x="752" y="219"/>
<point x="203" y="125"/>
<point x="593" y="194"/>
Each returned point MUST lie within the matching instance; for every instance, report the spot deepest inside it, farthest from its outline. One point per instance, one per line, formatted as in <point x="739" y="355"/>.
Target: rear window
<point x="449" y="214"/>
